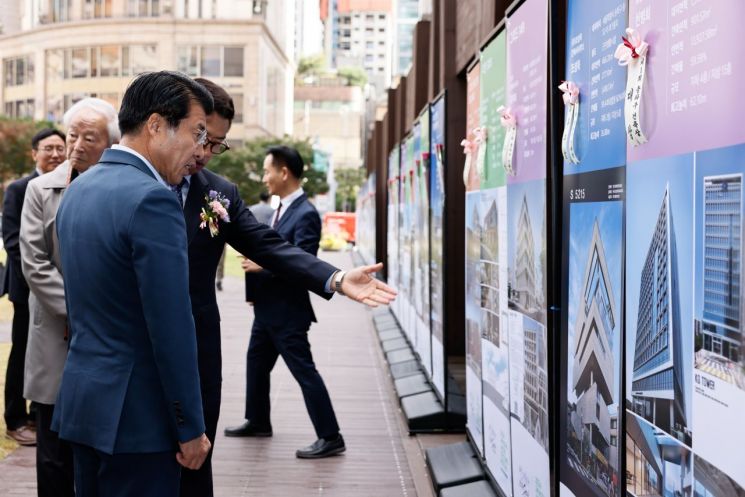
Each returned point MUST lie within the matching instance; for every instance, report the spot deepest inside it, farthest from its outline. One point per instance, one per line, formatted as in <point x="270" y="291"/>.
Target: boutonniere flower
<point x="215" y="210"/>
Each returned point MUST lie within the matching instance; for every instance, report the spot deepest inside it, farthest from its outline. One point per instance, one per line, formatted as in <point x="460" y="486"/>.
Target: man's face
<point x="177" y="150"/>
<point x="49" y="153"/>
<point x="87" y="138"/>
<point x="217" y="131"/>
<point x="274" y="176"/>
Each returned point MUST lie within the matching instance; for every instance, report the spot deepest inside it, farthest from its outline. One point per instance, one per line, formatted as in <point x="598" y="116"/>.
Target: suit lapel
<point x="290" y="211"/>
<point x="193" y="204"/>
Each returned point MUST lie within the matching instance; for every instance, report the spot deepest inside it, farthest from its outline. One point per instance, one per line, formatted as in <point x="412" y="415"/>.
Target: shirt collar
<point x="157" y="175"/>
<point x="289" y="199"/>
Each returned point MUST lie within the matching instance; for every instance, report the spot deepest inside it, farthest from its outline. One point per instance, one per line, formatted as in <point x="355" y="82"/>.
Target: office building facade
<point x="657" y="380"/>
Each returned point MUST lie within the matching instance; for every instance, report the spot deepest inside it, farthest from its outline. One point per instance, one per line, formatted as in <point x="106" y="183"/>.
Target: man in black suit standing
<point x="283" y="314"/>
<point x="48" y="152"/>
<point x="261" y="244"/>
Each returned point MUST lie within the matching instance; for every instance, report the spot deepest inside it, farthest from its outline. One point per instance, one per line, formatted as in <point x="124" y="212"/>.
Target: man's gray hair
<point x="101" y="107"/>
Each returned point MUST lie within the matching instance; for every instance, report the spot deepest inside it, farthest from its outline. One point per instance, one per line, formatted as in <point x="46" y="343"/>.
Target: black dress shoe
<point x="322" y="448"/>
<point x="248" y="429"/>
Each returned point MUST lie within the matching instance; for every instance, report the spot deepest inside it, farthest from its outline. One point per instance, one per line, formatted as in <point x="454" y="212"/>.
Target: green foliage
<point x="15" y="146"/>
<point x="355" y="76"/>
<point x="313" y="65"/>
<point x="348" y="182"/>
<point x="244" y="167"/>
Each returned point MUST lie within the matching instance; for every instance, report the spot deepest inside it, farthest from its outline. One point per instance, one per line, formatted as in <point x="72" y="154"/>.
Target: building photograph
<point x="710" y="481"/>
<point x="526" y="207"/>
<point x="719" y="308"/>
<point x="659" y="294"/>
<point x="489" y="266"/>
<point x="594" y="341"/>
<point x="660" y="389"/>
<point x="657" y="465"/>
<point x="473" y="287"/>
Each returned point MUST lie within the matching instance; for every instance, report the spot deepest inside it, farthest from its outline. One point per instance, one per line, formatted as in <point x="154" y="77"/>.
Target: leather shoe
<point x="23" y="435"/>
<point x="248" y="429"/>
<point x="322" y="448"/>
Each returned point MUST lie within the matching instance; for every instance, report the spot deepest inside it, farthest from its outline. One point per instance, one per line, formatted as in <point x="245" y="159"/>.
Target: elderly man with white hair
<point x="91" y="126"/>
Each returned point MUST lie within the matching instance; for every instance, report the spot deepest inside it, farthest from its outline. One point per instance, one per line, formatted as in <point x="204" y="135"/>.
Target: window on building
<point x="20" y="108"/>
<point x="233" y="61"/>
<point x="19" y="70"/>
<point x="107" y="61"/>
<point x="61" y="12"/>
<point x="238" y="104"/>
<point x="79" y="63"/>
<point x="210" y="61"/>
<point x="381" y="17"/>
<point x="96" y="9"/>
<point x="369" y="17"/>
<point x="369" y="45"/>
<point x="110" y="61"/>
<point x="142" y="58"/>
<point x="143" y="8"/>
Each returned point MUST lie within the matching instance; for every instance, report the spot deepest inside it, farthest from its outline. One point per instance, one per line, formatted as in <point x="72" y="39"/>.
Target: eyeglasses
<point x="217" y="148"/>
<point x="50" y="149"/>
<point x="202" y="137"/>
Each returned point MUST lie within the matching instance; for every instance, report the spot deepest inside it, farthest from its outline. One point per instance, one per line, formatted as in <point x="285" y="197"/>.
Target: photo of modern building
<point x="489" y="267"/>
<point x="658" y="387"/>
<point x="657" y="465"/>
<point x="473" y="287"/>
<point x="709" y="481"/>
<point x="593" y="348"/>
<point x="526" y="261"/>
<point x="535" y="380"/>
<point x="720" y="349"/>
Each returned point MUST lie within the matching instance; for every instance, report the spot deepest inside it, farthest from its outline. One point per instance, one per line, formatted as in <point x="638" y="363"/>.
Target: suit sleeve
<point x="42" y="276"/>
<point x="159" y="250"/>
<point x="264" y="246"/>
<point x="12" y="226"/>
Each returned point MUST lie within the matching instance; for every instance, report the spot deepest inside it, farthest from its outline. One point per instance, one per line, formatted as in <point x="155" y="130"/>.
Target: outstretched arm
<point x="359" y="285"/>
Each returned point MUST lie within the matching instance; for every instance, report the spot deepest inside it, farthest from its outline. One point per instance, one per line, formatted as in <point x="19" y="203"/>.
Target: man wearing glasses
<point x="257" y="242"/>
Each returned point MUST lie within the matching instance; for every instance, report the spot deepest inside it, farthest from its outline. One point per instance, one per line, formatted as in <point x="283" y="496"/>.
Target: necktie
<point x="276" y="218"/>
<point x="177" y="190"/>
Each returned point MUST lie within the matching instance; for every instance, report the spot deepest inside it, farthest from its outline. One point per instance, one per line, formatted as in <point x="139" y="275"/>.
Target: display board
<point x="394" y="187"/>
<point x="685" y="366"/>
<point x="421" y="237"/>
<point x="365" y="222"/>
<point x="590" y="404"/>
<point x="406" y="245"/>
<point x="527" y="87"/>
<point x="474" y="412"/>
<point x="493" y="272"/>
<point x="436" y="230"/>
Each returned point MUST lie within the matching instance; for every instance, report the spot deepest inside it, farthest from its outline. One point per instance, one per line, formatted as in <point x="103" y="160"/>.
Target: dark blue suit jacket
<point x="278" y="301"/>
<point x="14" y="283"/>
<point x="252" y="239"/>
<point x="130" y="383"/>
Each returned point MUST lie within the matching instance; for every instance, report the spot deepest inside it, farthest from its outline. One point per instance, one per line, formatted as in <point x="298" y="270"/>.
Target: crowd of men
<point x="111" y="272"/>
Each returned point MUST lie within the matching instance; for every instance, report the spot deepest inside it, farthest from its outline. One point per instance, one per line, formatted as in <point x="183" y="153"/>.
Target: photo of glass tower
<point x="657" y="392"/>
<point x="593" y="372"/>
<point x="720" y="347"/>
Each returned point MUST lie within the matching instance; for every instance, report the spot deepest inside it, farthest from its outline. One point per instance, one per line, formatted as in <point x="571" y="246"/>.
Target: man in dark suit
<point x="283" y="314"/>
<point x="130" y="399"/>
<point x="48" y="152"/>
<point x="254" y="240"/>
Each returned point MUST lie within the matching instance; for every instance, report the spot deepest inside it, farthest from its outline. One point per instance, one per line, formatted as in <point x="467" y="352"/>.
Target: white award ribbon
<point x="469" y="147"/>
<point x="479" y="137"/>
<point x="571" y="103"/>
<point x="509" y="123"/>
<point x="633" y="53"/>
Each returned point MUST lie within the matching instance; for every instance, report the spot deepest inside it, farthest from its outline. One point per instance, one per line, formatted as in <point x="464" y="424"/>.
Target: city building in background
<point x="657" y="381"/>
<point x="65" y="50"/>
<point x="535" y="383"/>
<point x="331" y="114"/>
<point x="407" y="13"/>
<point x="308" y="29"/>
<point x="722" y="322"/>
<point x="593" y="369"/>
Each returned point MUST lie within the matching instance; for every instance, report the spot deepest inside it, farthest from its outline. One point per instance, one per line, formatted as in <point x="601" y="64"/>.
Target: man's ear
<point x="34" y="153"/>
<point x="153" y="124"/>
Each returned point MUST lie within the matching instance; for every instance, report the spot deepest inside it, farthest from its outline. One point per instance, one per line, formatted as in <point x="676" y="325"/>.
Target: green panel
<point x="493" y="92"/>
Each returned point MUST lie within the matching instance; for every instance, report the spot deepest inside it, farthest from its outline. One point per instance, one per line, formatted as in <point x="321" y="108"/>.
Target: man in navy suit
<point x="130" y="399"/>
<point x="254" y="240"/>
<point x="283" y="314"/>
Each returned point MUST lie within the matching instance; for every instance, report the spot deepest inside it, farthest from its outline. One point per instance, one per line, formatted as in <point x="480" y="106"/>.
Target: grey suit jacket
<point x="40" y="261"/>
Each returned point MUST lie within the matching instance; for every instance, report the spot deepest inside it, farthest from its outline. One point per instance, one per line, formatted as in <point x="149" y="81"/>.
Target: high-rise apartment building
<point x="722" y="322"/>
<point x="523" y="291"/>
<point x="68" y="49"/>
<point x="657" y="381"/>
<point x="593" y="366"/>
<point x="308" y="29"/>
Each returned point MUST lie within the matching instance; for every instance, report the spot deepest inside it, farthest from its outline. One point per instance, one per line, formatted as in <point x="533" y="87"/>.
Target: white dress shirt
<point x="285" y="203"/>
